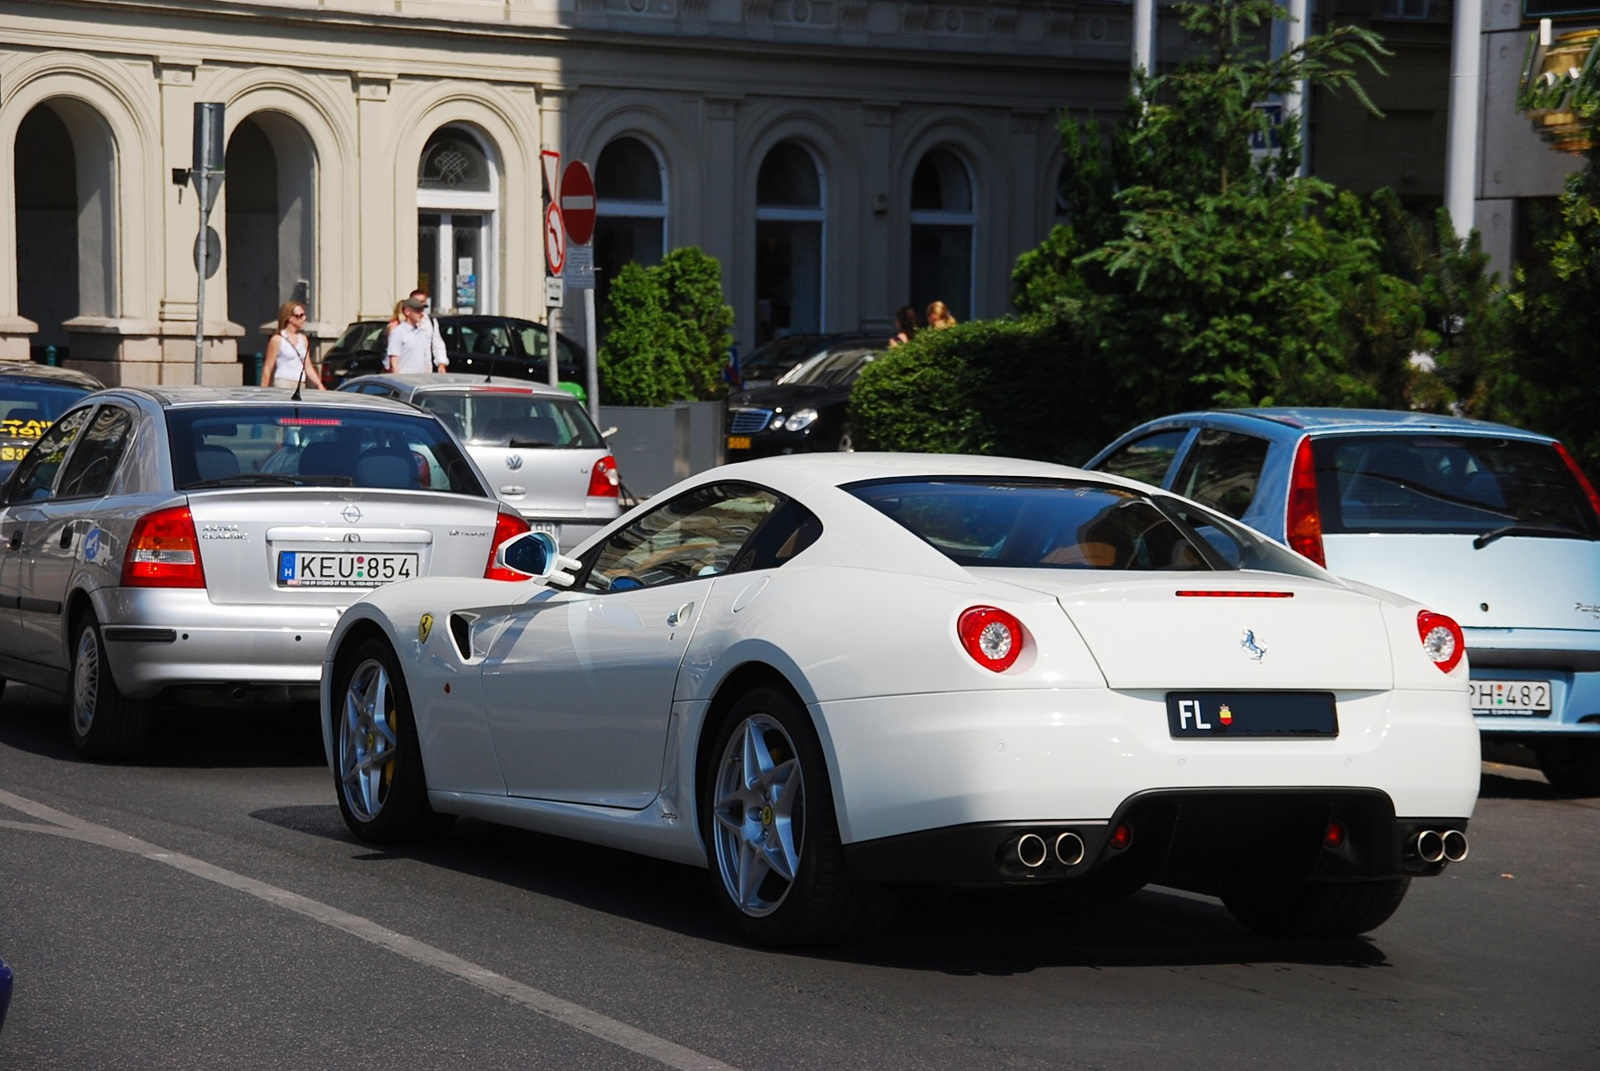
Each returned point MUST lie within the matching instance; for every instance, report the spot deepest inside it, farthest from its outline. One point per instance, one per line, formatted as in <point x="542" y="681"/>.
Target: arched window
<point x="789" y="243"/>
<point x="631" y="207"/>
<point x="942" y="224"/>
<point x="457" y="199"/>
<point x="64" y="177"/>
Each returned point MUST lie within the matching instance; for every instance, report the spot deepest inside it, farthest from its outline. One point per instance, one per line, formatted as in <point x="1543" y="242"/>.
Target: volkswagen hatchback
<point x="536" y="443"/>
<point x="1496" y="527"/>
<point x="196" y="542"/>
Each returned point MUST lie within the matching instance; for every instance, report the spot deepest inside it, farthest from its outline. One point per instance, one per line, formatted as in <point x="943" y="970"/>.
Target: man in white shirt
<point x="415" y="345"/>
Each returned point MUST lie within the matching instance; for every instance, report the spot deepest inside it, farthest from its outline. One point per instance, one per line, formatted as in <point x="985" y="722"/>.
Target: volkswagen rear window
<point x="1069" y="524"/>
<point x="1462" y="484"/>
<point x="289" y="446"/>
<point x="513" y="417"/>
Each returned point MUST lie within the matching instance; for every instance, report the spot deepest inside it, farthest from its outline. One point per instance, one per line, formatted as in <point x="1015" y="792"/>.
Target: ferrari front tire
<point x="380" y="782"/>
<point x="105" y="724"/>
<point x="1316" y="909"/>
<point x="777" y="865"/>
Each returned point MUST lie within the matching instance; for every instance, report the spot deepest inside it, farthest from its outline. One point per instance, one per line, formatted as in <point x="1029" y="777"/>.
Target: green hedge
<point x="1015" y="388"/>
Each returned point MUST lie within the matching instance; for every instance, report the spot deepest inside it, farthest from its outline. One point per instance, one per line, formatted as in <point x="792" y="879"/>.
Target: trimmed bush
<point x="668" y="332"/>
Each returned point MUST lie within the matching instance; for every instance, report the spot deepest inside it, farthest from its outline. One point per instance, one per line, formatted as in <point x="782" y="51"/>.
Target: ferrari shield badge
<point x="424" y="627"/>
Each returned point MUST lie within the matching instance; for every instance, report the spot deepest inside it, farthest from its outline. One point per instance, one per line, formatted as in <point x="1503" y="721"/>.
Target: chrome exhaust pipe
<point x="1454" y="845"/>
<point x="1069" y="849"/>
<point x="1429" y="846"/>
<point x="1031" y="850"/>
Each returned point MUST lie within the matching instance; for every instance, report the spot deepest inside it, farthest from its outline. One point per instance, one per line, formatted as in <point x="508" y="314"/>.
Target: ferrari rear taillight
<point x="506" y="525"/>
<point x="1577" y="473"/>
<point x="163" y="552"/>
<point x="1303" y="522"/>
<point x="1442" y="640"/>
<point x="604" y="480"/>
<point x="991" y="636"/>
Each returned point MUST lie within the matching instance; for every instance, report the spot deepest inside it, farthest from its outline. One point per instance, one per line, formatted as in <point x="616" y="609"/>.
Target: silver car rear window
<point x="265" y="446"/>
<point x="510" y="416"/>
<point x="1446" y="483"/>
<point x="1044" y="524"/>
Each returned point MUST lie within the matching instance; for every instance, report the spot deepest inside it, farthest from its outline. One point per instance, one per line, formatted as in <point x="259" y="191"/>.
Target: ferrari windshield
<point x="1070" y="524"/>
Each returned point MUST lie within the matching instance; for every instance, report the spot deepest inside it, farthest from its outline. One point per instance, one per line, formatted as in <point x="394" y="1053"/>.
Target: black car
<point x="32" y="396"/>
<point x="483" y="345"/>
<point x="807" y="412"/>
<point x="771" y="361"/>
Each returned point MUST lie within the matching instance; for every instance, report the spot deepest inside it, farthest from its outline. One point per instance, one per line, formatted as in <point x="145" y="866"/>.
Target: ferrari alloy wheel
<point x="1317" y="909"/>
<point x="105" y="724"/>
<point x="767" y="812"/>
<point x="383" y="793"/>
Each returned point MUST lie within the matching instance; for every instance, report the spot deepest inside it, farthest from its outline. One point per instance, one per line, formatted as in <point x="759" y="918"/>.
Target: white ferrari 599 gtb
<point x="827" y="677"/>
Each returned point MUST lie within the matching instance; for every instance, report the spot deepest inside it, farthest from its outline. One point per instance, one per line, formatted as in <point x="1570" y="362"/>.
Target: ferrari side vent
<point x="461" y="634"/>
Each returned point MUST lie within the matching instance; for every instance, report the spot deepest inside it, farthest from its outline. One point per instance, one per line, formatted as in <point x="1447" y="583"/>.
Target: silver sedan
<point x="200" y="542"/>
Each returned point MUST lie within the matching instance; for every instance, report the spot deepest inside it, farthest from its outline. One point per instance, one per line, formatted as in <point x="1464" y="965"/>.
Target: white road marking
<point x="576" y="1016"/>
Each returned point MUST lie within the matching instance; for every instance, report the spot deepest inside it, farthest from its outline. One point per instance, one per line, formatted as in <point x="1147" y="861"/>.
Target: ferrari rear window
<point x="1042" y="524"/>
<point x="1464" y="484"/>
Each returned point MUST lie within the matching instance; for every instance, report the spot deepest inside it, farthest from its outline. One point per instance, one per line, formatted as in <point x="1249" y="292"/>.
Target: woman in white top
<point x="288" y="349"/>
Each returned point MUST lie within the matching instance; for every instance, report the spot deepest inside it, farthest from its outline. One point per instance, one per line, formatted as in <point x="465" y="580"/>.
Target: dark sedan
<point x="771" y="361"/>
<point x="806" y="413"/>
<point x="476" y="345"/>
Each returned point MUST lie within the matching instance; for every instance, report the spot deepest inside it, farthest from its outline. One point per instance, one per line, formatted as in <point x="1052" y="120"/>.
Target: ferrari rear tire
<point x="1571" y="766"/>
<point x="766" y="810"/>
<point x="1316" y="909"/>
<point x="380" y="781"/>
<point x="105" y="724"/>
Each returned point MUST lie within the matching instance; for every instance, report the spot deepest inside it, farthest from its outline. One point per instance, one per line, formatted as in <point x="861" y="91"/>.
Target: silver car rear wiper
<point x="1557" y="530"/>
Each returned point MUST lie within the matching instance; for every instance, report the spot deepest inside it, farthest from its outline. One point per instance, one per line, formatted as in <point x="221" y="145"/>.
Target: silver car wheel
<point x="368" y="740"/>
<point x="759" y="809"/>
<point x="86" y="681"/>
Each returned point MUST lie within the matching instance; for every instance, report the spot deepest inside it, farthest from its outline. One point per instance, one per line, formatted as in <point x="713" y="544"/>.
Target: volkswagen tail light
<point x="1303" y="523"/>
<point x="991" y="636"/>
<point x="604" y="480"/>
<point x="506" y="525"/>
<point x="1442" y="640"/>
<point x="164" y="552"/>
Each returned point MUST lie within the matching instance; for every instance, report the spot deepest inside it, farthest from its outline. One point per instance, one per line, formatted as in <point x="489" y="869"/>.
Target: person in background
<point x="415" y="346"/>
<point x="905" y="322"/>
<point x="397" y="319"/>
<point x="939" y="316"/>
<point x="289" y="351"/>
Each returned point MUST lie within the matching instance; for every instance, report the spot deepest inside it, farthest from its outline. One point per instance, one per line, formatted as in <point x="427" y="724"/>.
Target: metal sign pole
<point x="593" y="383"/>
<point x="203" y="261"/>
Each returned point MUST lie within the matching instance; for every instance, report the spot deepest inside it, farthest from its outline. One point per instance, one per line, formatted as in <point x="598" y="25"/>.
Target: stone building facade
<point x="840" y="158"/>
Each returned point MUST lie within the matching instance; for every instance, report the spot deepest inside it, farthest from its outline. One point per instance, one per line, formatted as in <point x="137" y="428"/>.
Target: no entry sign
<point x="577" y="202"/>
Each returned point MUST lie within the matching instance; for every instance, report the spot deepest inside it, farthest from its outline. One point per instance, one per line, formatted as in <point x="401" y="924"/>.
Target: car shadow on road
<point x="951" y="931"/>
<point x="225" y="736"/>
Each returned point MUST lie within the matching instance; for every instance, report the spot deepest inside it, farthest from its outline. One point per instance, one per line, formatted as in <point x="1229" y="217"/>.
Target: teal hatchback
<point x="1495" y="526"/>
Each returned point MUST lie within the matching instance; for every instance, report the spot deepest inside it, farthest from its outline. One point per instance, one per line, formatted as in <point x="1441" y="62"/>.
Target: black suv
<point x="483" y="345"/>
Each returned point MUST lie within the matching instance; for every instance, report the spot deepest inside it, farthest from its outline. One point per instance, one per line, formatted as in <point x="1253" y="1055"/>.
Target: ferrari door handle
<point x="66" y="537"/>
<point x="16" y="540"/>
<point x="680" y="615"/>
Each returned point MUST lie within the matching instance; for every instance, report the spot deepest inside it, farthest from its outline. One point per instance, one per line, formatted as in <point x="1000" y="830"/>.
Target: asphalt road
<point x="205" y="908"/>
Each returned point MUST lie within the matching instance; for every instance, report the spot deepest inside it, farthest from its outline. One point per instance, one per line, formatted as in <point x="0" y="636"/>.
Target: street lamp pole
<point x="207" y="174"/>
